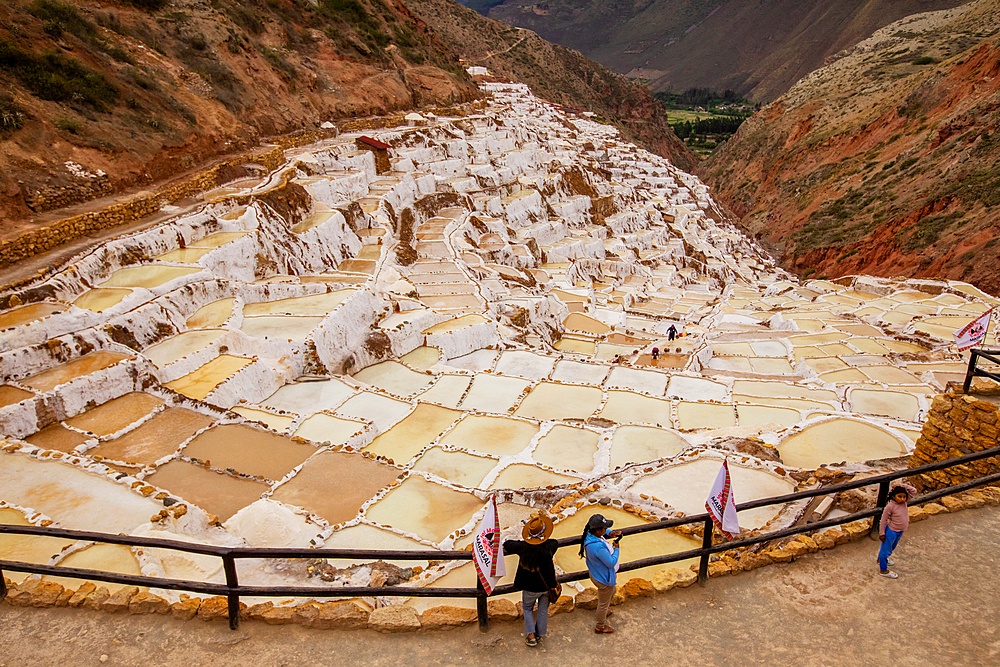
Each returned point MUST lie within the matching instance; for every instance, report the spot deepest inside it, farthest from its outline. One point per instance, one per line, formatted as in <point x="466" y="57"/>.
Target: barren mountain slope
<point x="555" y="73"/>
<point x="96" y="96"/>
<point x="887" y="161"/>
<point x="756" y="48"/>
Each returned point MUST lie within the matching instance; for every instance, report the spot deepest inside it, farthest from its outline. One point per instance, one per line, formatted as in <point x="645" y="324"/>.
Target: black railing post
<point x="3" y="586"/>
<point x="969" y="374"/>
<point x="481" y="611"/>
<point x="232" y="581"/>
<point x="883" y="500"/>
<point x="706" y="543"/>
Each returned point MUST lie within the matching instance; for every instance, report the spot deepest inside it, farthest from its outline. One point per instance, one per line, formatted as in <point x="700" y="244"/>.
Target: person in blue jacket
<point x="602" y="563"/>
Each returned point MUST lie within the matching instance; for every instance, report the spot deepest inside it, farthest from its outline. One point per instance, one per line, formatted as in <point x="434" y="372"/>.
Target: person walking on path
<point x="602" y="563"/>
<point x="895" y="519"/>
<point x="672" y="332"/>
<point x="536" y="575"/>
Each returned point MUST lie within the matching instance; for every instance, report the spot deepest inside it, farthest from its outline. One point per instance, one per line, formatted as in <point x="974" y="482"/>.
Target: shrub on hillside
<point x="55" y="77"/>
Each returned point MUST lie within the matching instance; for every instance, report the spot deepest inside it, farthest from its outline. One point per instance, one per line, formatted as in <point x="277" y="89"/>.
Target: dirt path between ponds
<point x="829" y="608"/>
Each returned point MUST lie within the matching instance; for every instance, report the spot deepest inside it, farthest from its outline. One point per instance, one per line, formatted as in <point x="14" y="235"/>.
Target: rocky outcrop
<point x="957" y="424"/>
<point x="882" y="162"/>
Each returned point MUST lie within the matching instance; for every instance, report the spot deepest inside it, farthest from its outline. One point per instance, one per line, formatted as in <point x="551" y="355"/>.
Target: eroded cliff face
<point x="883" y="162"/>
<point x="98" y="97"/>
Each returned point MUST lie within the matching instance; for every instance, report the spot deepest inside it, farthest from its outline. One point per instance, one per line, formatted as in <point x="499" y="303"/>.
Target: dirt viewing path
<point x="829" y="608"/>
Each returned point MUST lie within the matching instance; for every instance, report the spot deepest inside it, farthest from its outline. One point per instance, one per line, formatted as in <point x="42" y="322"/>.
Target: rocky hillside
<point x="98" y="97"/>
<point x="886" y="161"/>
<point x="758" y="49"/>
<point x="555" y="73"/>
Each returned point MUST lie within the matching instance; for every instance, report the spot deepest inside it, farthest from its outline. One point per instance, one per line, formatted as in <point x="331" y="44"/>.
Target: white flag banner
<point x="487" y="549"/>
<point x="721" y="505"/>
<point x="974" y="332"/>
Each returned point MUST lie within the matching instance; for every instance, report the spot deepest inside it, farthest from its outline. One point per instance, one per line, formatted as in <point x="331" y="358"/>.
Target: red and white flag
<point x="487" y="549"/>
<point x="974" y="332"/>
<point x="721" y="505"/>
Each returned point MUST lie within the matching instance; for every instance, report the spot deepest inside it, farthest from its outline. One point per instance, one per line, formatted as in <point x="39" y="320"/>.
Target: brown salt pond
<point x="202" y="381"/>
<point x="424" y="508"/>
<point x="30" y="313"/>
<point x="335" y="485"/>
<point x="9" y="395"/>
<point x="154" y="439"/>
<point x="248" y="450"/>
<point x="417" y="430"/>
<point x="221" y="494"/>
<point x="116" y="414"/>
<point x="85" y="365"/>
<point x="57" y="437"/>
<point x="633" y="547"/>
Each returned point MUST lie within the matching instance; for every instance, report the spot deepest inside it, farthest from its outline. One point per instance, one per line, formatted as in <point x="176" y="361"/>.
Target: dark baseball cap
<point x="598" y="521"/>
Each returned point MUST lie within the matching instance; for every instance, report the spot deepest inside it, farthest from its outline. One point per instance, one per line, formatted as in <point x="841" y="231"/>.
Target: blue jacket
<point x="600" y="562"/>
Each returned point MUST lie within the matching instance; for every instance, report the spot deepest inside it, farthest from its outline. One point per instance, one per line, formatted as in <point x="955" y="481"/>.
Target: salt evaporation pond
<point x="316" y="381"/>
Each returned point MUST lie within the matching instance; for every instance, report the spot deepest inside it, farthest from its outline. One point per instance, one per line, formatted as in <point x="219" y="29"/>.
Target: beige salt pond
<point x="101" y="298"/>
<point x="323" y="427"/>
<point x="184" y="255"/>
<point x="201" y="382"/>
<point x="550" y="400"/>
<point x="456" y="324"/>
<point x="638" y="444"/>
<point x="694" y="416"/>
<point x="524" y="476"/>
<point x="335" y="485"/>
<point x="457" y="467"/>
<point x="494" y="393"/>
<point x="213" y="314"/>
<point x="176" y="347"/>
<point x="363" y="536"/>
<point x="30" y="313"/>
<point x="415" y="432"/>
<point x="149" y="276"/>
<point x="422" y="357"/>
<point x="114" y="558"/>
<point x="624" y="407"/>
<point x="838" y="440"/>
<point x="270" y="420"/>
<point x="71" y="496"/>
<point x="315" y="304"/>
<point x="567" y="448"/>
<point x="217" y="240"/>
<point x="79" y="367"/>
<point x="633" y="547"/>
<point x="428" y="510"/>
<point x="305" y="398"/>
<point x="25" y="548"/>
<point x="448" y="390"/>
<point x="491" y="435"/>
<point x="394" y="378"/>
<point x="883" y="402"/>
<point x="282" y="327"/>
<point x="686" y="486"/>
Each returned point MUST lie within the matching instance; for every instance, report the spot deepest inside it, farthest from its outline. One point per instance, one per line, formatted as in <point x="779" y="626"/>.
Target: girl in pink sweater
<point x="895" y="519"/>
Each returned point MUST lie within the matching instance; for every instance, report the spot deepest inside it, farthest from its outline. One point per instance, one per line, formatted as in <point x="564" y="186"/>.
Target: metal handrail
<point x="974" y="371"/>
<point x="233" y="590"/>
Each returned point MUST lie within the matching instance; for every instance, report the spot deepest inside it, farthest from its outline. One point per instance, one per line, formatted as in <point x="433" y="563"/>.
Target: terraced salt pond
<point x="314" y="380"/>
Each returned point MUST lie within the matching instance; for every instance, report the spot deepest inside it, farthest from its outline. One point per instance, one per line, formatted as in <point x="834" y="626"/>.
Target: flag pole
<point x="706" y="543"/>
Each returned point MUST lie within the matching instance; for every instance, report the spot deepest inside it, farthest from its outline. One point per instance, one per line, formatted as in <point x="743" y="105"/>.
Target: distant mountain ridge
<point x="758" y="49"/>
<point x="886" y="161"/>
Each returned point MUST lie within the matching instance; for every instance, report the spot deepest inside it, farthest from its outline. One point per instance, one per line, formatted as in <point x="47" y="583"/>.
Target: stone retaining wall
<point x="957" y="424"/>
<point x="350" y="615"/>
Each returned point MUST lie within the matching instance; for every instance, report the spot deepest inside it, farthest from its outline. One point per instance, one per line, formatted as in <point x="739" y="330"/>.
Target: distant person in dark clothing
<point x="536" y="575"/>
<point x="655" y="353"/>
<point x="672" y="332"/>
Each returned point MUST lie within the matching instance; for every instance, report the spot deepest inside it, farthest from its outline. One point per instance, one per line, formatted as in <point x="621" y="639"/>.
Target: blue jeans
<point x="535" y="623"/>
<point x="891" y="541"/>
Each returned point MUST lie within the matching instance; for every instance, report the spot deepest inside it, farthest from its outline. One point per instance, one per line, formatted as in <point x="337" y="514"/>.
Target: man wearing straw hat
<point x="536" y="574"/>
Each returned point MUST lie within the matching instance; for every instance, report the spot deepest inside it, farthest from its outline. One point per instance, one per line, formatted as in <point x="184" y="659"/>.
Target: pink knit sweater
<point x="895" y="515"/>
